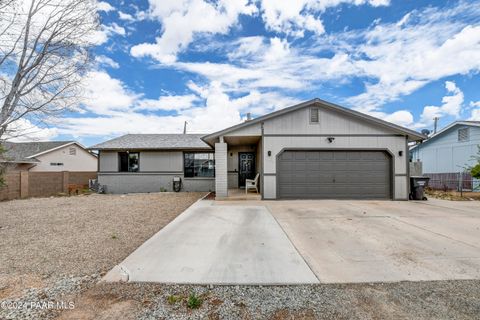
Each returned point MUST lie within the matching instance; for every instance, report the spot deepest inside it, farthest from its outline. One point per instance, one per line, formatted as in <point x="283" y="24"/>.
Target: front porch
<point x="240" y="194"/>
<point x="237" y="158"/>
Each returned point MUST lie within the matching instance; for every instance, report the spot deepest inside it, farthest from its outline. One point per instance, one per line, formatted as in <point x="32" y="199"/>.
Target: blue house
<point x="446" y="153"/>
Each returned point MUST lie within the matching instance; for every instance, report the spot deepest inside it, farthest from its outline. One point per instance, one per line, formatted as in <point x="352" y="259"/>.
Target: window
<point x="56" y="163"/>
<point x="198" y="164"/>
<point x="463" y="135"/>
<point x="314" y="118"/>
<point x="128" y="161"/>
<point x="72" y="151"/>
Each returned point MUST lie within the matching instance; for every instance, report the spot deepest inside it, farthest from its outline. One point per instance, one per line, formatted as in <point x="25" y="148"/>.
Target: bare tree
<point x="44" y="53"/>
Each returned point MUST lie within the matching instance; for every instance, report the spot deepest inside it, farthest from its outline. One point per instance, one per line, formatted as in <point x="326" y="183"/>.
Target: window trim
<point x="128" y="166"/>
<point x="310" y="115"/>
<point x="195" y="152"/>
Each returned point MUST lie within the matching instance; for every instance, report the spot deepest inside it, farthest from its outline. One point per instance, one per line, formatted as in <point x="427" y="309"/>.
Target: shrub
<point x="475" y="171"/>
<point x="193" y="301"/>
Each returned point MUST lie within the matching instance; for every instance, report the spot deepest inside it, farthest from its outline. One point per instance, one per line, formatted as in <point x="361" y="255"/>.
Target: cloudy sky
<point x="160" y="63"/>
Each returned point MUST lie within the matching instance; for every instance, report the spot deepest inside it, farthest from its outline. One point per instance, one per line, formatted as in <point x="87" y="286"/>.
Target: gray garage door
<point x="334" y="175"/>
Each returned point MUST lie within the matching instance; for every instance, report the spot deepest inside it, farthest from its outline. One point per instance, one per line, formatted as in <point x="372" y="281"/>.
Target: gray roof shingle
<point x="20" y="151"/>
<point x="153" y="141"/>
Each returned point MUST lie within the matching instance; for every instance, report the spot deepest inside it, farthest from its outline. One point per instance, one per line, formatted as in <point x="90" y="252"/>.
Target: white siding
<point x="82" y="160"/>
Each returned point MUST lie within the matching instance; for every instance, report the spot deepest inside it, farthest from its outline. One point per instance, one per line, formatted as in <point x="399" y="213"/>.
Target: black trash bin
<point x="417" y="186"/>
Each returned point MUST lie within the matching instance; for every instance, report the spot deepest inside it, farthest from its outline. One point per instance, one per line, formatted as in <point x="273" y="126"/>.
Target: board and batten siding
<point x="157" y="169"/>
<point x="445" y="154"/>
<point x="150" y="161"/>
<point x="161" y="161"/>
<point x="294" y="131"/>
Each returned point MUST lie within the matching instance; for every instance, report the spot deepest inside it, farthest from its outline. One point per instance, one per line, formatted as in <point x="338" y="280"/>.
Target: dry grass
<point x="453" y="195"/>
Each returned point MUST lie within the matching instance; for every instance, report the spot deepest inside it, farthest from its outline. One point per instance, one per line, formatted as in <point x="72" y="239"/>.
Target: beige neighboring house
<point x="48" y="156"/>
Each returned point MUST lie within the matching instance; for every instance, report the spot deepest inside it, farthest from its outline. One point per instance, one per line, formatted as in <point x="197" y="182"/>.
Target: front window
<point x="198" y="164"/>
<point x="128" y="161"/>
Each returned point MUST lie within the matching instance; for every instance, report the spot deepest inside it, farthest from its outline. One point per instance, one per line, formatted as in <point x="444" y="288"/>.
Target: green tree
<point x="475" y="169"/>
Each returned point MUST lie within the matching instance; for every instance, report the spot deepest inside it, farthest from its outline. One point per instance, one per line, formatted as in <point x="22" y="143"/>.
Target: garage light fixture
<point x="330" y="139"/>
<point x="269" y="153"/>
<point x="400" y="153"/>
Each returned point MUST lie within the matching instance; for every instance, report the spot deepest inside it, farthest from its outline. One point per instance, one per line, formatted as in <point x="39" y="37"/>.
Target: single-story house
<point x="312" y="150"/>
<point x="48" y="156"/>
<point x="446" y="154"/>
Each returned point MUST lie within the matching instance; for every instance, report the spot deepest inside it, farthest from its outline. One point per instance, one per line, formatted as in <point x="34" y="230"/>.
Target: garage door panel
<point x="334" y="174"/>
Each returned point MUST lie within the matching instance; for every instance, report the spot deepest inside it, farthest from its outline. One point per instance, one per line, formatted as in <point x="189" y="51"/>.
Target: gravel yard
<point x="51" y="247"/>
<point x="57" y="249"/>
<point x="401" y="300"/>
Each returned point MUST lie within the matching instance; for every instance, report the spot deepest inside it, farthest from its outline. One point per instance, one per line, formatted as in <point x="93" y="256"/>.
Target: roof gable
<point x="26" y="151"/>
<point x="446" y="130"/>
<point x="321" y="104"/>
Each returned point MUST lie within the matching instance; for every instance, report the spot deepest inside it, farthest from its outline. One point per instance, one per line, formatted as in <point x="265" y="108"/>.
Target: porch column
<point x="221" y="174"/>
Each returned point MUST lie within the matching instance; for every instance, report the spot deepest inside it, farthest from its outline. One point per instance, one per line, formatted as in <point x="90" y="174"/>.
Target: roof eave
<point x="151" y="149"/>
<point x="53" y="149"/>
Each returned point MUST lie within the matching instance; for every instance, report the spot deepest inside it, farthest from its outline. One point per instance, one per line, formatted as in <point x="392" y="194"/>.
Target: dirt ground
<point x="401" y="300"/>
<point x="53" y="246"/>
<point x="453" y="195"/>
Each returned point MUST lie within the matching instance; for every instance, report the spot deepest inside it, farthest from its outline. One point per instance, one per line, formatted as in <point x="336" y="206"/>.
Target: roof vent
<point x="249" y="116"/>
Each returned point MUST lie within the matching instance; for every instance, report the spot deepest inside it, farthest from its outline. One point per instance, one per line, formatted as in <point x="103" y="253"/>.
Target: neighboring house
<point x="449" y="151"/>
<point x="313" y="150"/>
<point x="48" y="156"/>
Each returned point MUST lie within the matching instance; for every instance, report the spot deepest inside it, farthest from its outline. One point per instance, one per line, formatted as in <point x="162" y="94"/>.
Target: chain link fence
<point x="461" y="181"/>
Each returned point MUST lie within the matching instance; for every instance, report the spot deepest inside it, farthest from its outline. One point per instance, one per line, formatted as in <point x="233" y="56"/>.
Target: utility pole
<point x="435" y="121"/>
<point x="185" y="127"/>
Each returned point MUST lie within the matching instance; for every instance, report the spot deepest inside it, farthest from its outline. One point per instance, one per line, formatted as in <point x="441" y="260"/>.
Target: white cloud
<point x="294" y="17"/>
<point x="404" y="57"/>
<point x="106" y="95"/>
<point x="451" y="105"/>
<point x="475" y="103"/>
<point x="117" y="110"/>
<point x="106" y="31"/>
<point x="106" y="61"/>
<point x="181" y="20"/>
<point x="125" y="16"/>
<point x="25" y="130"/>
<point x="104" y="6"/>
<point x="261" y="63"/>
<point x="167" y="103"/>
<point x="475" y="111"/>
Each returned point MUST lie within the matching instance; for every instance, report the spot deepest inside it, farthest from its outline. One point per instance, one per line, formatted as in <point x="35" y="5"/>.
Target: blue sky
<point x="159" y="64"/>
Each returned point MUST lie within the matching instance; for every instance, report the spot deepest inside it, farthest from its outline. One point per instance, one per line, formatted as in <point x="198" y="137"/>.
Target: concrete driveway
<point x="293" y="242"/>
<point x="369" y="241"/>
<point x="209" y="244"/>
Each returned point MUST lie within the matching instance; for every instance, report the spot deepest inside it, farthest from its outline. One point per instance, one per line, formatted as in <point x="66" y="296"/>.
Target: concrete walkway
<point x="209" y="244"/>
